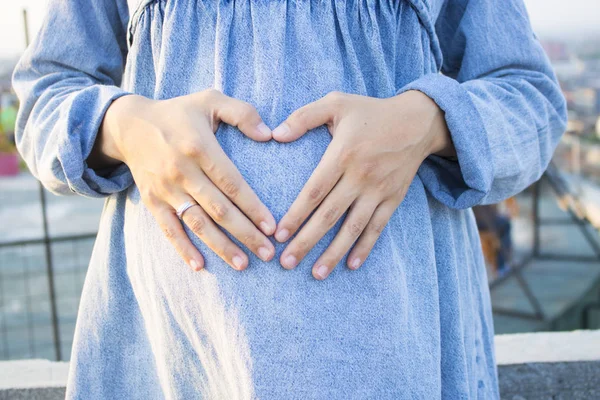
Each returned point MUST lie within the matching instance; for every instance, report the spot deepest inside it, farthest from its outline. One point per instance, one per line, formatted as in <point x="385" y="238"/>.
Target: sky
<point x="548" y="17"/>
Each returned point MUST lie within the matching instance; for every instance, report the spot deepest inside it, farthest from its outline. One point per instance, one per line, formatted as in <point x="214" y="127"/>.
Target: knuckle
<point x="197" y="224"/>
<point x="346" y="155"/>
<point x="294" y="221"/>
<point x="193" y="150"/>
<point x="247" y="112"/>
<point x="377" y="227"/>
<point x="230" y="187"/>
<point x="367" y="170"/>
<point x="316" y="193"/>
<point x="249" y="240"/>
<point x="297" y="220"/>
<point x="221" y="251"/>
<point x="197" y="191"/>
<point x="211" y="92"/>
<point x="303" y="246"/>
<point x="300" y="116"/>
<point x="226" y="250"/>
<point x="253" y="211"/>
<point x="383" y="186"/>
<point x="173" y="171"/>
<point x="219" y="211"/>
<point x="254" y="208"/>
<point x="331" y="215"/>
<point x="336" y="98"/>
<point x="356" y="227"/>
<point x="210" y="168"/>
<point x="170" y="232"/>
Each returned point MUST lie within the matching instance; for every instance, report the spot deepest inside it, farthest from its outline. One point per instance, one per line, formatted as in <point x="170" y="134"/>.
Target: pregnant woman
<point x="322" y="157"/>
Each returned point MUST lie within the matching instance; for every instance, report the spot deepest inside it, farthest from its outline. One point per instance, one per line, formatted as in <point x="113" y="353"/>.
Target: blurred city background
<point x="542" y="247"/>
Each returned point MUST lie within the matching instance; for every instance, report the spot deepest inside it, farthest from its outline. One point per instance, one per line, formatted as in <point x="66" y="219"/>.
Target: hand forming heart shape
<point x="377" y="146"/>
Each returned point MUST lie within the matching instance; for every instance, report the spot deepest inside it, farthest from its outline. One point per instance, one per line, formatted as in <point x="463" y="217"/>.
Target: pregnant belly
<point x="244" y="330"/>
<point x="266" y="320"/>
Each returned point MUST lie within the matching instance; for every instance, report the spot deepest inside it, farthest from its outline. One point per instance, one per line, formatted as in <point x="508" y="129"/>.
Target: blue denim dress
<point x="414" y="322"/>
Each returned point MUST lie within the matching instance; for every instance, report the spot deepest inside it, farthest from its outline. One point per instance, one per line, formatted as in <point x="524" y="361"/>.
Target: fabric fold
<point x="463" y="183"/>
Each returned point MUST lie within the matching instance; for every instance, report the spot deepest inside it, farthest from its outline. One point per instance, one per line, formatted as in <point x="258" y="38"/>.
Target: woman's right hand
<point x="173" y="154"/>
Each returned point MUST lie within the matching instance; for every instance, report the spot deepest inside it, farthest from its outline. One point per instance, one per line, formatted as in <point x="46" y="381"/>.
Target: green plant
<point x="5" y="145"/>
<point x="8" y="118"/>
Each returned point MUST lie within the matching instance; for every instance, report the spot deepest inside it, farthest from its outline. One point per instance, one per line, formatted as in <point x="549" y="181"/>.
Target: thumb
<point x="310" y="116"/>
<point x="242" y="115"/>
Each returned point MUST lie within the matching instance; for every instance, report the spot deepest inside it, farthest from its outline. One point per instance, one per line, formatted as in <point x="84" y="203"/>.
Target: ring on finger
<point x="184" y="207"/>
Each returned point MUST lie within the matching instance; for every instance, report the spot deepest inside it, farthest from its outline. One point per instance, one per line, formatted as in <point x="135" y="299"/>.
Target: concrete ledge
<point x="577" y="380"/>
<point x="557" y="365"/>
<point x="543" y="347"/>
<point x="33" y="394"/>
<point x="33" y="380"/>
<point x="549" y="365"/>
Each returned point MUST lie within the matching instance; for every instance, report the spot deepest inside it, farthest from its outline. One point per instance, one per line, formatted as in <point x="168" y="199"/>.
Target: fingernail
<point x="290" y="262"/>
<point x="281" y="131"/>
<point x="282" y="235"/>
<point x="264" y="129"/>
<point x="238" y="262"/>
<point x="266" y="227"/>
<point x="195" y="265"/>
<point x="355" y="263"/>
<point x="264" y="253"/>
<point x="321" y="271"/>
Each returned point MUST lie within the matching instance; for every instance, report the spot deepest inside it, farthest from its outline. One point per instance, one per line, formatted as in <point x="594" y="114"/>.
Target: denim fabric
<point x="415" y="321"/>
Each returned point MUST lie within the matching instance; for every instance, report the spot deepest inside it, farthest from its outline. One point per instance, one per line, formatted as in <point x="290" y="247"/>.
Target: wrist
<point x="439" y="139"/>
<point x="441" y="142"/>
<point x="109" y="145"/>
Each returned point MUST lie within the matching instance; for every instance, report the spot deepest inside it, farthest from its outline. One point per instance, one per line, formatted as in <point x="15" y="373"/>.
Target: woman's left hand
<point x="376" y="150"/>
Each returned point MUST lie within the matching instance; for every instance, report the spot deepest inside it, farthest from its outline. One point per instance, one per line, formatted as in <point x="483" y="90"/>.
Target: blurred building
<point x="6" y="68"/>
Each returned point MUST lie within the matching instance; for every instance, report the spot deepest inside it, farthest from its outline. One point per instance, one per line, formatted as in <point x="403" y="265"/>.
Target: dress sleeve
<point x="502" y="102"/>
<point x="65" y="81"/>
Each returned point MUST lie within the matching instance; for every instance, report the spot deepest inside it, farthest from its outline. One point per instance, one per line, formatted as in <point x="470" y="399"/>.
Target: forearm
<point x="65" y="81"/>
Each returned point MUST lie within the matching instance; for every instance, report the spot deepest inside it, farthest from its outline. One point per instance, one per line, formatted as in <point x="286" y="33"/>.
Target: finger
<point x="310" y="116"/>
<point x="173" y="230"/>
<point x="371" y="233"/>
<point x="227" y="178"/>
<point x="203" y="226"/>
<point x="357" y="219"/>
<point x="242" y="115"/>
<point x="226" y="214"/>
<point x="326" y="216"/>
<point x="320" y="183"/>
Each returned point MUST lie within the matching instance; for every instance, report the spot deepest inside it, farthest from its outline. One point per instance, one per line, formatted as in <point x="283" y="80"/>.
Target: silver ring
<point x="183" y="208"/>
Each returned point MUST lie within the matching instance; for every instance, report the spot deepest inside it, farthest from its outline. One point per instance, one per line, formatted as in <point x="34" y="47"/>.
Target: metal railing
<point x="40" y="287"/>
<point x="576" y="216"/>
<point x="41" y="282"/>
